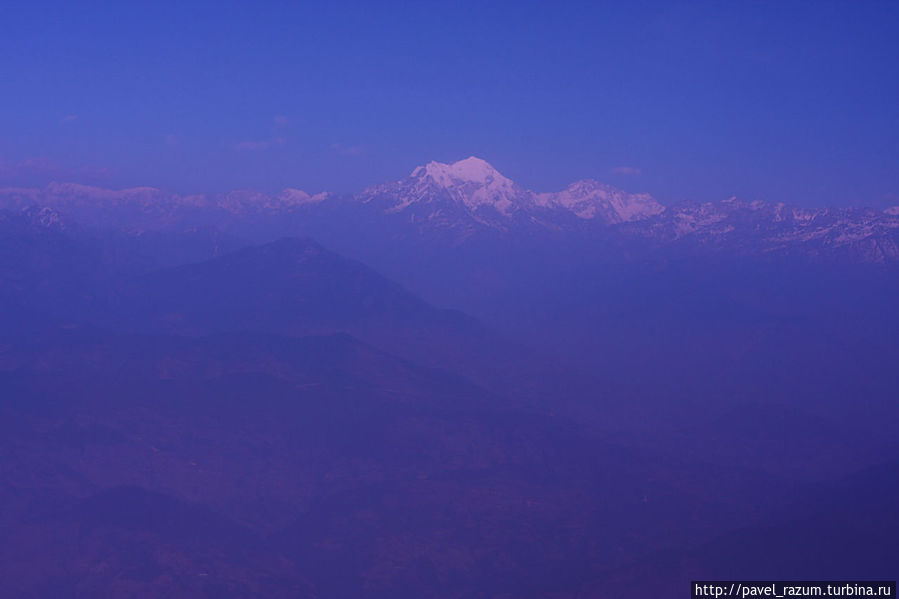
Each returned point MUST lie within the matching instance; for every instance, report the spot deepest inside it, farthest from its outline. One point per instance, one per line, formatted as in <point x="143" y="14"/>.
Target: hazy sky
<point x="784" y="101"/>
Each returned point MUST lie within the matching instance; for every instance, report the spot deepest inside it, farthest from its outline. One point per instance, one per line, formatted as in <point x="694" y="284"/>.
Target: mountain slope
<point x="294" y="287"/>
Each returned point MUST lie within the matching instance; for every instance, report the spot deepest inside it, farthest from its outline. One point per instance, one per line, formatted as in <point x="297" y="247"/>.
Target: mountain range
<point x="469" y="199"/>
<point x="484" y="392"/>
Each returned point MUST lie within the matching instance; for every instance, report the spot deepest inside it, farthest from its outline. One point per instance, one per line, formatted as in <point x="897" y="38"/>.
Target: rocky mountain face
<point x="469" y="198"/>
<point x="857" y="234"/>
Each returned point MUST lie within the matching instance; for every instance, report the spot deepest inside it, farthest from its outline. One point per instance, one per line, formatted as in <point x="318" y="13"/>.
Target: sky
<point x="779" y="101"/>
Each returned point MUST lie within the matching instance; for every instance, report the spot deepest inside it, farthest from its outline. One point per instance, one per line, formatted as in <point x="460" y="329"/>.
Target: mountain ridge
<point x="470" y="198"/>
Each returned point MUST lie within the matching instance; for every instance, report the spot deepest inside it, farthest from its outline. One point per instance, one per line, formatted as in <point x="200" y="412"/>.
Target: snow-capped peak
<point x="472" y="182"/>
<point x="590" y="199"/>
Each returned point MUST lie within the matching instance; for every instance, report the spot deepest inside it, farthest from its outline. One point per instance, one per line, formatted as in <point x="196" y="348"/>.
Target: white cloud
<point x="626" y="170"/>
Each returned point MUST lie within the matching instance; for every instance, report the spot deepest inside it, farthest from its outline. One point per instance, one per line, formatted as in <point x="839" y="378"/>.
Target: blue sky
<point x="782" y="101"/>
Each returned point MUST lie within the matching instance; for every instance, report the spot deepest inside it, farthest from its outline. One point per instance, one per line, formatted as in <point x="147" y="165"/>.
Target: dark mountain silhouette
<point x="294" y="287"/>
<point x="343" y="488"/>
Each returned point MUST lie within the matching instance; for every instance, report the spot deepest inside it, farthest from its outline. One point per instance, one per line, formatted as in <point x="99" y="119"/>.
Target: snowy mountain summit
<point x="472" y="182"/>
